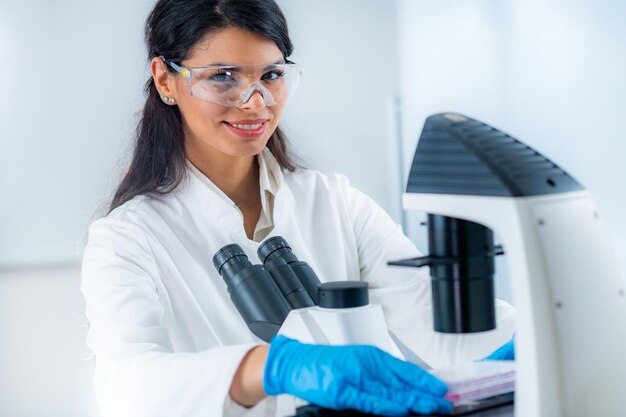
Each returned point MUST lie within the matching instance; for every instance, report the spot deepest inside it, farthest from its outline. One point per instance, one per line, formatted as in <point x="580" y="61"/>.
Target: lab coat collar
<point x="270" y="179"/>
<point x="270" y="173"/>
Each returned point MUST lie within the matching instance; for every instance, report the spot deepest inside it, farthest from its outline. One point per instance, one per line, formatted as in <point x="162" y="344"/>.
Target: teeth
<point x="248" y="127"/>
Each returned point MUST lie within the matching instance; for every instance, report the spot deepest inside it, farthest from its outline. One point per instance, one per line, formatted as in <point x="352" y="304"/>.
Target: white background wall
<point x="46" y="367"/>
<point x="549" y="72"/>
<point x="341" y="119"/>
<point x="71" y="81"/>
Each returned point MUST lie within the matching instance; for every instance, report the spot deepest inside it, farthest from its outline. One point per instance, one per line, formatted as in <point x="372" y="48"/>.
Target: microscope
<point x="473" y="180"/>
<point x="285" y="296"/>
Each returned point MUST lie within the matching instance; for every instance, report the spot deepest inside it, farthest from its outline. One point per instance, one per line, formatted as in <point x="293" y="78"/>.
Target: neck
<point x="237" y="177"/>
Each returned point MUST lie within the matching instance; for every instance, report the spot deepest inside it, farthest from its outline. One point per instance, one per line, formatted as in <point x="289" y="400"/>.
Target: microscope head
<point x="465" y="158"/>
<point x="457" y="155"/>
<point x="568" y="291"/>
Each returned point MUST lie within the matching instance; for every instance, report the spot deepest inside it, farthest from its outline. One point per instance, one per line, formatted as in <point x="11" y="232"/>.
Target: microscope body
<point x="285" y="296"/>
<point x="343" y="316"/>
<point x="568" y="293"/>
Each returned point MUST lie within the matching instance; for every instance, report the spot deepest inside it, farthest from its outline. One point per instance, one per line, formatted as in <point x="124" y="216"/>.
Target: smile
<point x="249" y="129"/>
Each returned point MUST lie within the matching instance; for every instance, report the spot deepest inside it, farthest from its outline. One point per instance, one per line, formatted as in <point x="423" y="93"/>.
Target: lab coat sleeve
<point x="405" y="293"/>
<point x="137" y="373"/>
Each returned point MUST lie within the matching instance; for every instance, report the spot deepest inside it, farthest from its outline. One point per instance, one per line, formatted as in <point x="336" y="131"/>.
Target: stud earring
<point x="167" y="100"/>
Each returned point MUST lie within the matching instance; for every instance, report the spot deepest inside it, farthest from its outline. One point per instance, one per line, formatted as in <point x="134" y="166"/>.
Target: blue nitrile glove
<point x="505" y="352"/>
<point x="358" y="377"/>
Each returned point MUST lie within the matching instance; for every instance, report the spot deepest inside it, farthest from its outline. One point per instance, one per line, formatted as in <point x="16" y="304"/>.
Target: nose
<point x="256" y="101"/>
<point x="253" y="94"/>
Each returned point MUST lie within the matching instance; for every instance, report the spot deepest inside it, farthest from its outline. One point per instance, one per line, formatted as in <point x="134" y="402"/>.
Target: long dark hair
<point x="173" y="28"/>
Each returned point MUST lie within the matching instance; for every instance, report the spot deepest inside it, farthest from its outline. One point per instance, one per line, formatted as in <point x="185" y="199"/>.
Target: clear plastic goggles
<point x="232" y="86"/>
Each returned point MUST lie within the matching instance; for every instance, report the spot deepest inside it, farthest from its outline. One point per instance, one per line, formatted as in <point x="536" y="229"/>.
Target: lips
<point x="247" y="128"/>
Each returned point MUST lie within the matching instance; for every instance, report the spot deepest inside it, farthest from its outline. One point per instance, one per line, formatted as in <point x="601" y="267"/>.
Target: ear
<point x="163" y="79"/>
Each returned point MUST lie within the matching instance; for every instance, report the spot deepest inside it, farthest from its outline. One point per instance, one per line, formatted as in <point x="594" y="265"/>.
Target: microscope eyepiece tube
<point x="277" y="248"/>
<point x="253" y="291"/>
<point x="289" y="284"/>
<point x="233" y="258"/>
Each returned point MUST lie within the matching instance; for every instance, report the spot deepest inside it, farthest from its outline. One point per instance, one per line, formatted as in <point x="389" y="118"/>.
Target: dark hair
<point x="173" y="28"/>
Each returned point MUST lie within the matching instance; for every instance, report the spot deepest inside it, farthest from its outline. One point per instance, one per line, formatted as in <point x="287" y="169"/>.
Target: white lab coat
<point x="166" y="336"/>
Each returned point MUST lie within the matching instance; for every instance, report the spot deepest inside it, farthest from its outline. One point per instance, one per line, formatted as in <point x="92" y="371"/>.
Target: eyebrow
<point x="238" y="67"/>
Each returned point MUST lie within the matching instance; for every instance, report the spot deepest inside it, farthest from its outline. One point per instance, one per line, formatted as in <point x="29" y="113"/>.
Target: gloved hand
<point x="358" y="377"/>
<point x="505" y="352"/>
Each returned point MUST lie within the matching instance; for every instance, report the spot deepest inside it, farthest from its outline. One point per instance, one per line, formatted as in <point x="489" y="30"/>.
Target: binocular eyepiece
<point x="277" y="256"/>
<point x="264" y="294"/>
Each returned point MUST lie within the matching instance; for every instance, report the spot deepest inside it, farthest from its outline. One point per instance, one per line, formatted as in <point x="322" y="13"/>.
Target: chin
<point x="253" y="147"/>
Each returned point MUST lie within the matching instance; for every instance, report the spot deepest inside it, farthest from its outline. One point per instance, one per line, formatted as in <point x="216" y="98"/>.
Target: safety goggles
<point x="234" y="85"/>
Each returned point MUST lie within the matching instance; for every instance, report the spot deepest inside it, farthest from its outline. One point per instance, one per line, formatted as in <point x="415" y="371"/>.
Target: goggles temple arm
<point x="184" y="71"/>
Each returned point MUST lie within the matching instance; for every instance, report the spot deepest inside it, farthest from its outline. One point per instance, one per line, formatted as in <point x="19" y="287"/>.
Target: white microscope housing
<point x="568" y="293"/>
<point x="344" y="316"/>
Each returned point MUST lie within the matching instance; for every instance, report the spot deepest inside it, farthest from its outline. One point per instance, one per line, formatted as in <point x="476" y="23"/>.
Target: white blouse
<point x="166" y="336"/>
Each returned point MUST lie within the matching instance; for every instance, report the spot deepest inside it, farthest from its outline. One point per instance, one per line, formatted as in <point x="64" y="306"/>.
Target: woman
<point x="211" y="167"/>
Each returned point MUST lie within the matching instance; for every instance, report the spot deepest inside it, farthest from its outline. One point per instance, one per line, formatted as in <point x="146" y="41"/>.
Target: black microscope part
<point x="463" y="291"/>
<point x="343" y="294"/>
<point x="289" y="283"/>
<point x="253" y="292"/>
<point x="276" y="248"/>
<point x="225" y="254"/>
<point x="457" y="155"/>
<point x="498" y="406"/>
<point x="264" y="294"/>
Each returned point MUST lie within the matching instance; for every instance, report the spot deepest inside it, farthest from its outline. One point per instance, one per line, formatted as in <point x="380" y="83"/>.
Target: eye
<point x="273" y="74"/>
<point x="221" y="76"/>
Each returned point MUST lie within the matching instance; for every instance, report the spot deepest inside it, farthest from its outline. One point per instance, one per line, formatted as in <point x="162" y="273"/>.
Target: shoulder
<point x="316" y="181"/>
<point x="119" y="225"/>
<point x="132" y="212"/>
<point x="314" y="189"/>
<point x="334" y="185"/>
<point x="143" y="209"/>
<point x="131" y="221"/>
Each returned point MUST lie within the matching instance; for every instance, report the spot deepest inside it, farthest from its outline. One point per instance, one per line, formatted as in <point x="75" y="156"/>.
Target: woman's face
<point x="214" y="130"/>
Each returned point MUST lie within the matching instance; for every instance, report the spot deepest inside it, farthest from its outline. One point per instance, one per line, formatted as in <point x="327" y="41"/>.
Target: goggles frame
<point x="246" y="93"/>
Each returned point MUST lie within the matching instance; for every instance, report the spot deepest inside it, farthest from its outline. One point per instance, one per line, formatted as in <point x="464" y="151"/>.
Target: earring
<point x="167" y="100"/>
